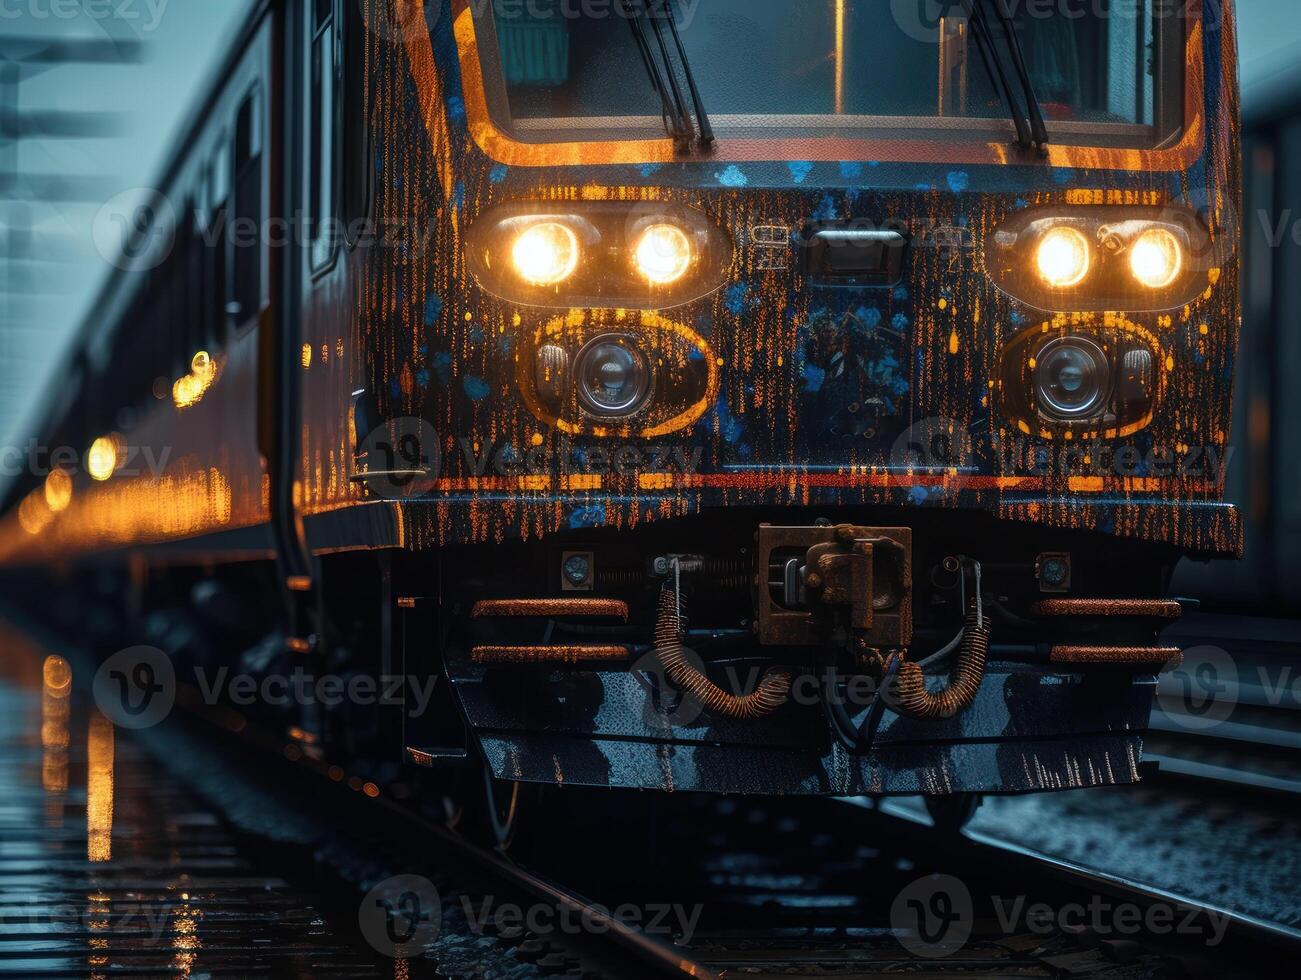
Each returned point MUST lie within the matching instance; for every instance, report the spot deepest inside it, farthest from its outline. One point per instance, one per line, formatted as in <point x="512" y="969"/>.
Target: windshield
<point x="1096" y="65"/>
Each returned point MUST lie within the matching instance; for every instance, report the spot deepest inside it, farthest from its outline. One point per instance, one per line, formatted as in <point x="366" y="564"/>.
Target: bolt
<point x="813" y="580"/>
<point x="661" y="566"/>
<point x="578" y="569"/>
<point x="1054" y="572"/>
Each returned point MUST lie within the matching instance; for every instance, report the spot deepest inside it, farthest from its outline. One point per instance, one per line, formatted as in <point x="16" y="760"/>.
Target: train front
<point x="822" y="392"/>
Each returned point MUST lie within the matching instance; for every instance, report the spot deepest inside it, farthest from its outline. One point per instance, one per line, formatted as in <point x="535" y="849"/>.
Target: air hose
<point x="913" y="699"/>
<point x="772" y="692"/>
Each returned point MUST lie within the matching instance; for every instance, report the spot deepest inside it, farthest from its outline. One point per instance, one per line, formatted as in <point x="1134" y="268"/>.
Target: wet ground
<point x="110" y="867"/>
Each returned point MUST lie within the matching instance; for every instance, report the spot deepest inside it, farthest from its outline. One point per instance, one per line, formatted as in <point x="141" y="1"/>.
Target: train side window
<point x="247" y="231"/>
<point x="320" y="135"/>
<point x="356" y="150"/>
<point x="214" y="304"/>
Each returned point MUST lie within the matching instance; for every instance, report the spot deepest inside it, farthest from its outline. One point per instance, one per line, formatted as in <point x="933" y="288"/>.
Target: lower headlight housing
<point x="1072" y="379"/>
<point x="1102" y="379"/>
<point x="613" y="376"/>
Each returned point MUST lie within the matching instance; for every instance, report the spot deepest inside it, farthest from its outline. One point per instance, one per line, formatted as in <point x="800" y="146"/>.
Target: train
<point x="733" y="396"/>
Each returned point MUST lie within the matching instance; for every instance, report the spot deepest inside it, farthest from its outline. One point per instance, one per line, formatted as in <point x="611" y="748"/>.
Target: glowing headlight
<point x="1156" y="258"/>
<point x="1063" y="257"/>
<point x="663" y="254"/>
<point x="546" y="253"/>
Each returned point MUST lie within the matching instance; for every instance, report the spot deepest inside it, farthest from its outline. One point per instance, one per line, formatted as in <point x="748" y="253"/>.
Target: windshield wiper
<point x="1035" y="134"/>
<point x="658" y="58"/>
<point x="702" y="117"/>
<point x="1037" y="127"/>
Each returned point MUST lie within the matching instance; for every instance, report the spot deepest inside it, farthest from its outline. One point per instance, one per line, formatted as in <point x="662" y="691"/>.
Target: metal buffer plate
<point x="813" y="579"/>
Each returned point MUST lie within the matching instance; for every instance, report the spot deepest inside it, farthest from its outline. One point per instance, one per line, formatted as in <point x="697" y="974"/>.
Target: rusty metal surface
<point x="1166" y="658"/>
<point x="1155" y="608"/>
<point x="552" y="608"/>
<point x="109" y="867"/>
<point x="868" y="569"/>
<point x="567" y="655"/>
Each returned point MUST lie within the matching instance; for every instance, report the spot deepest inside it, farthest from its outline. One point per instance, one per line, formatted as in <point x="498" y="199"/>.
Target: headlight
<point x="1156" y="258"/>
<point x="546" y="253"/>
<point x="663" y="254"/>
<point x="1063" y="257"/>
<point x="1105" y="258"/>
<point x="1072" y="379"/>
<point x="614" y="378"/>
<point x="623" y="255"/>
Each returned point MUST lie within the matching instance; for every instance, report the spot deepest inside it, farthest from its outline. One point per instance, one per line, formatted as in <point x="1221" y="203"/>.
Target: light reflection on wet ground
<point x="109" y="867"/>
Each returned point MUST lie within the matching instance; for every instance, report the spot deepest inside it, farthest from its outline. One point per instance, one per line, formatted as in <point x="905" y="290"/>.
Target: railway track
<point x="756" y="888"/>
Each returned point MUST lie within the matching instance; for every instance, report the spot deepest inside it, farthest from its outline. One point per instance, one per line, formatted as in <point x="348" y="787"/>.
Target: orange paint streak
<point x="429" y="89"/>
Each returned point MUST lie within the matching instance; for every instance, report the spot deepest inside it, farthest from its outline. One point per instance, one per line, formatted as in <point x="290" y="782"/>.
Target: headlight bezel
<point x="607" y="275"/>
<point x="1110" y="282"/>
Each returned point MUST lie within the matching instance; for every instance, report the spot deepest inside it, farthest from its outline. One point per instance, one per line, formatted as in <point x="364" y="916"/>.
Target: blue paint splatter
<point x="475" y="387"/>
<point x="851" y="171"/>
<point x="959" y="181"/>
<point x="814" y="377"/>
<point x="732" y="177"/>
<point x="870" y="316"/>
<point x="455" y="109"/>
<point x="442" y="365"/>
<point x="433" y="309"/>
<point x="901" y="294"/>
<point x="422" y="377"/>
<point x="800" y="170"/>
<point x="650" y="169"/>
<point x="593" y="516"/>
<point x="923" y="188"/>
<point x="900" y="322"/>
<point x="735" y="300"/>
<point x="1063" y="175"/>
<point x="458" y="196"/>
<point x="826" y="210"/>
<point x="728" y="424"/>
<point x="498" y="173"/>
